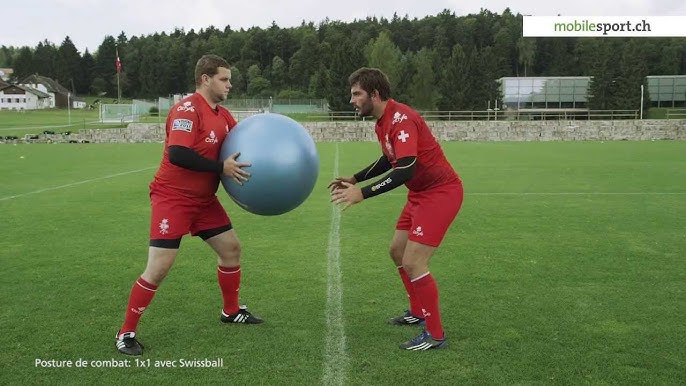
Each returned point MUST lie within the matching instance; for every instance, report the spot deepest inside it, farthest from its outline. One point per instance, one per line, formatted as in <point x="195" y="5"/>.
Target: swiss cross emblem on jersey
<point x="403" y="136"/>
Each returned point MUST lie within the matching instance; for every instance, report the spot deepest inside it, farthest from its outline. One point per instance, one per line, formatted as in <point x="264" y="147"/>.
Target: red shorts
<point x="427" y="215"/>
<point x="174" y="216"/>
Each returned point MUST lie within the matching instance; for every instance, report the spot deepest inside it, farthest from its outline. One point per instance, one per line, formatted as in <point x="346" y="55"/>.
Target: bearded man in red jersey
<point x="435" y="194"/>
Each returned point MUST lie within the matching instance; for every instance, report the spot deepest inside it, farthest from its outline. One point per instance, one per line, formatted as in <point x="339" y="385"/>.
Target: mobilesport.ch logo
<point x="604" y="26"/>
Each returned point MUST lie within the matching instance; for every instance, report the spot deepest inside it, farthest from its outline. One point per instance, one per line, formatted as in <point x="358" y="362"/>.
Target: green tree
<point x="279" y="73"/>
<point x="238" y="81"/>
<point x="346" y="59"/>
<point x="602" y="89"/>
<point x="482" y="86"/>
<point x="320" y="82"/>
<point x="255" y="48"/>
<point x="149" y="70"/>
<point x="99" y="86"/>
<point x="455" y="77"/>
<point x="383" y="54"/>
<point x="85" y="78"/>
<point x="304" y="62"/>
<point x="526" y="53"/>
<point x="5" y="57"/>
<point x="45" y="58"/>
<point x="555" y="57"/>
<point x="258" y="85"/>
<point x="177" y="66"/>
<point x="105" y="68"/>
<point x="23" y="64"/>
<point x="423" y="92"/>
<point x="68" y="65"/>
<point x="633" y="71"/>
<point x="402" y="90"/>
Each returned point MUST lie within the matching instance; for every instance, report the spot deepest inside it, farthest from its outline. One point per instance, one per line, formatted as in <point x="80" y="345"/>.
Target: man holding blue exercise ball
<point x="183" y="198"/>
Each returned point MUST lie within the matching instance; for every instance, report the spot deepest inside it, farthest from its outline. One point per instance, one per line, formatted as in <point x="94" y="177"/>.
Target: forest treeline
<point x="438" y="62"/>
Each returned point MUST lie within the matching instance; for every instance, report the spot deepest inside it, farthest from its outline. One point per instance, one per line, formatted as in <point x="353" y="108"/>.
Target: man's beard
<point x="366" y="109"/>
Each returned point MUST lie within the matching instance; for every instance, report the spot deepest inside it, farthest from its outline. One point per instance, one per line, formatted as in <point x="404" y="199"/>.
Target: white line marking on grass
<point x="76" y="183"/>
<point x="35" y="127"/>
<point x="51" y="126"/>
<point x="335" y="355"/>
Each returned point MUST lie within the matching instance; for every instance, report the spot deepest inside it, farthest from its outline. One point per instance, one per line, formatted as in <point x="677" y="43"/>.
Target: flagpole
<point x="118" y="90"/>
<point x="118" y="70"/>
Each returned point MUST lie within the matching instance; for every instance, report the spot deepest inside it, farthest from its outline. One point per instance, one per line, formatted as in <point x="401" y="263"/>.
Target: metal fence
<point x="676" y="114"/>
<point x="279" y="105"/>
<point x="509" y="115"/>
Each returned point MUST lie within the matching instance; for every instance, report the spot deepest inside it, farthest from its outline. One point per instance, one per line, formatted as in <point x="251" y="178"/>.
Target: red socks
<point x="142" y="293"/>
<point x="229" y="281"/>
<point x="415" y="307"/>
<point x="427" y="293"/>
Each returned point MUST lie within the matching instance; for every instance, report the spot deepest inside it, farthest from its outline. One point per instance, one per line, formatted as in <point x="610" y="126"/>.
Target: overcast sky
<point x="87" y="22"/>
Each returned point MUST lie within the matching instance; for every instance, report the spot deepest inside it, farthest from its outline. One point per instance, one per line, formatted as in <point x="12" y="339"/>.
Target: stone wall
<point x="515" y="130"/>
<point x="443" y="130"/>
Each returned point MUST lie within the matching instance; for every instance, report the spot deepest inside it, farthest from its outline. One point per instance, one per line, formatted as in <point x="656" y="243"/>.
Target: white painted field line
<point x="335" y="353"/>
<point x="76" y="183"/>
<point x="34" y="127"/>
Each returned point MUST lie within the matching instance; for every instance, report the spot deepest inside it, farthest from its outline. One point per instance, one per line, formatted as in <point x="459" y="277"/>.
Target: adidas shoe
<point x="242" y="316"/>
<point x="406" y="319"/>
<point x="127" y="344"/>
<point x="424" y="341"/>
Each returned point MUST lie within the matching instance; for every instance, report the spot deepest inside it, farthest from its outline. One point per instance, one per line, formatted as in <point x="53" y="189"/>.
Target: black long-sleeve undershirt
<point x="380" y="166"/>
<point x="188" y="158"/>
<point x="403" y="172"/>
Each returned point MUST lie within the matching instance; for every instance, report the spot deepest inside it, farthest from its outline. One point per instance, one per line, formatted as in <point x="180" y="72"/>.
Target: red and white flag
<point x="118" y="62"/>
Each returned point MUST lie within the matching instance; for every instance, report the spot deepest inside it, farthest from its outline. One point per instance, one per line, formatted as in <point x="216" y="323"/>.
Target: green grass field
<point x="14" y="123"/>
<point x="565" y="266"/>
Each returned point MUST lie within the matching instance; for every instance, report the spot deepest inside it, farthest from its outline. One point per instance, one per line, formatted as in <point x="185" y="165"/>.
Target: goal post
<point x="111" y="113"/>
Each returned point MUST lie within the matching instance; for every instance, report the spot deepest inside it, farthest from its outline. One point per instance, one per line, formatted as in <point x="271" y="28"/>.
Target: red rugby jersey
<point x="194" y="124"/>
<point x="402" y="132"/>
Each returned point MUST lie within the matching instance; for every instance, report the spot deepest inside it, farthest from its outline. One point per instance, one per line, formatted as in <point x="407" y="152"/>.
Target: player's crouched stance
<point x="414" y="158"/>
<point x="183" y="199"/>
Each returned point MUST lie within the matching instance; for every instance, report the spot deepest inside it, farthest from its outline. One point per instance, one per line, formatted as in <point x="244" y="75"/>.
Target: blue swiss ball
<point x="284" y="159"/>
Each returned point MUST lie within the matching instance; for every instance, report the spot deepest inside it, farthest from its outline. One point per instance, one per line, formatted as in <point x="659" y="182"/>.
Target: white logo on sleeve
<point x="397" y="117"/>
<point x="182" y="125"/>
<point x="403" y="136"/>
<point x="389" y="148"/>
<point x="164" y="226"/>
<point x="212" y="138"/>
<point x="186" y="106"/>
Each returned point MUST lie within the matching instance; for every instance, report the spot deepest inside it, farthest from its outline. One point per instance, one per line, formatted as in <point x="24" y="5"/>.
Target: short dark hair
<point x="208" y="65"/>
<point x="370" y="79"/>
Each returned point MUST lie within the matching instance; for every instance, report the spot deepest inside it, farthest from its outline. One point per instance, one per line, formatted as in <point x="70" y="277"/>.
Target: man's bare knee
<point x="233" y="250"/>
<point x="396" y="254"/>
<point x="160" y="262"/>
<point x="154" y="276"/>
<point x="229" y="254"/>
<point x="414" y="268"/>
